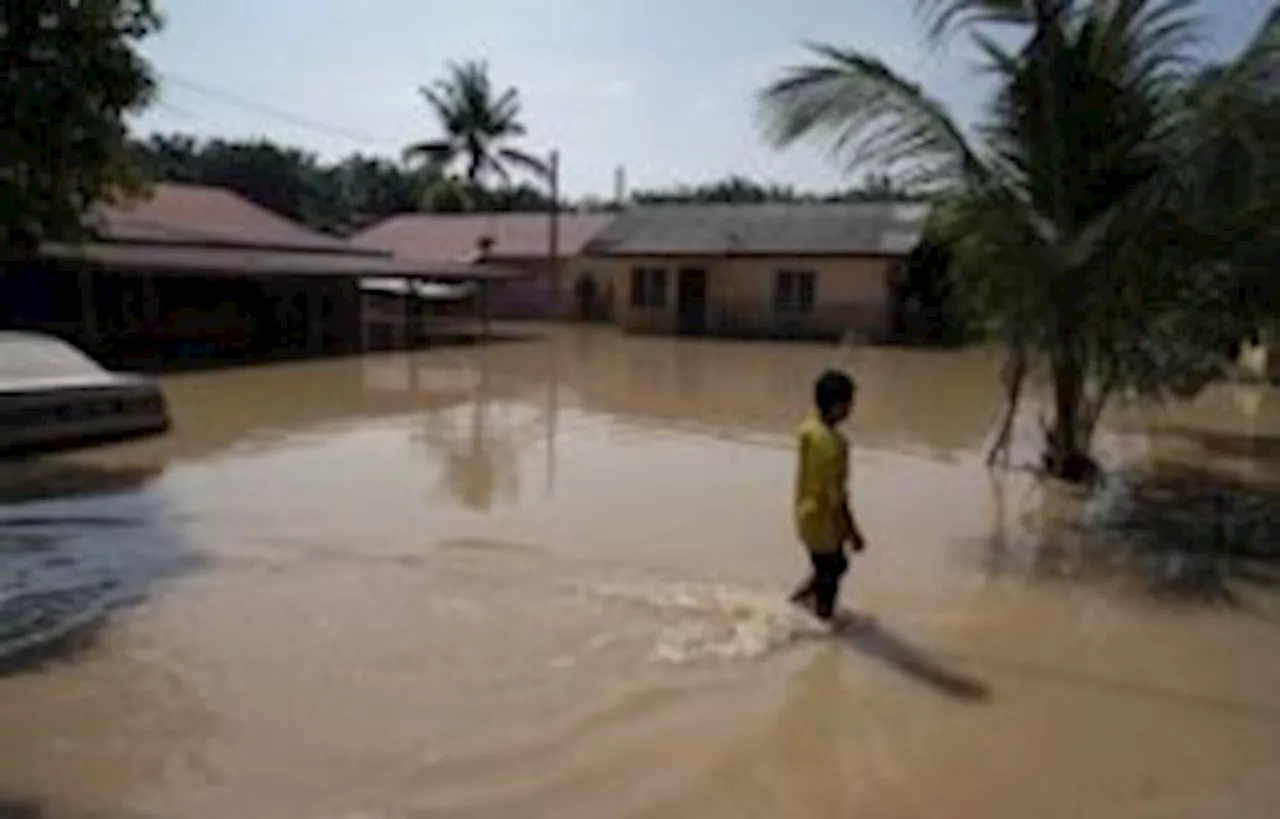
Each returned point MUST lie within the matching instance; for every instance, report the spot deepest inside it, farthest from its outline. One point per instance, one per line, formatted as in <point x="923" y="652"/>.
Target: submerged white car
<point x="53" y="396"/>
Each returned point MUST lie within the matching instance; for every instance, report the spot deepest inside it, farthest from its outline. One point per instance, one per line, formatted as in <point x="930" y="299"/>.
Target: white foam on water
<point x="701" y="622"/>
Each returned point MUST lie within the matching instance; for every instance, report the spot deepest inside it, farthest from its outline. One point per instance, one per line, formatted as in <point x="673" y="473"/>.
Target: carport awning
<point x="424" y="291"/>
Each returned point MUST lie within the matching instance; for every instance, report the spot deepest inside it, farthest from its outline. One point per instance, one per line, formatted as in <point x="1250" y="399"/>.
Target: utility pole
<point x="620" y="187"/>
<point x="553" y="234"/>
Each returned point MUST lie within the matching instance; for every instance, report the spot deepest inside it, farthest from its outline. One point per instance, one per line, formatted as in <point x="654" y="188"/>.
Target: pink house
<point x="521" y="241"/>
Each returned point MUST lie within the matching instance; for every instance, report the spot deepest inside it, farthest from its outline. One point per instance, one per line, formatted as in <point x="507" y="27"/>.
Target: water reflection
<point x="11" y="808"/>
<point x="76" y="543"/>
<point x="479" y="444"/>
<point x="1251" y="447"/>
<point x="50" y="479"/>
<point x="480" y="464"/>
<point x="1170" y="530"/>
<point x="253" y="409"/>
<point x="731" y="387"/>
<point x="1192" y="533"/>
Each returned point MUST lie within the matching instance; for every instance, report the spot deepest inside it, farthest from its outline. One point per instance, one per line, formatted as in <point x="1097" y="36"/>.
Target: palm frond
<point x="868" y="116"/>
<point x="437" y="153"/>
<point x="494" y="165"/>
<point x="526" y="162"/>
<point x="1143" y="42"/>
<point x="943" y="18"/>
<point x="474" y="119"/>
<point x="505" y="111"/>
<point x="439" y="97"/>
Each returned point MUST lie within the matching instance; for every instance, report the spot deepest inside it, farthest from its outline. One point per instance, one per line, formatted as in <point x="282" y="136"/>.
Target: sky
<point x="664" y="88"/>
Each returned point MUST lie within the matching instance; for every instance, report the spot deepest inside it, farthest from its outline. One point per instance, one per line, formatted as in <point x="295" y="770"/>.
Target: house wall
<point x="531" y="297"/>
<point x="600" y="302"/>
<point x="851" y="294"/>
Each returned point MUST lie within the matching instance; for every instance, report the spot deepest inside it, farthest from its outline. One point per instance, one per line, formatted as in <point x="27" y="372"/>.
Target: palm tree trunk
<point x="1066" y="446"/>
<point x="1015" y="375"/>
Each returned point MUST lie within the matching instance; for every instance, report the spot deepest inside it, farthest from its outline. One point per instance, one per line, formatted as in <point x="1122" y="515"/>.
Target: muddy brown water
<point x="545" y="579"/>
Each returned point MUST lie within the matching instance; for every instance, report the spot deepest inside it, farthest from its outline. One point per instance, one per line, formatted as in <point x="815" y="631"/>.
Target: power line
<point x="263" y="109"/>
<point x="176" y="109"/>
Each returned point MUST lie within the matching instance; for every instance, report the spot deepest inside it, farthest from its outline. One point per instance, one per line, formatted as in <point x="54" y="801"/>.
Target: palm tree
<point x="1091" y="229"/>
<point x="477" y="121"/>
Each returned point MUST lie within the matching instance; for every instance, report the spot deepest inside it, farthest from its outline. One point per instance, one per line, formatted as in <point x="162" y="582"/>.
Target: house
<point x="541" y="245"/>
<point x="193" y="272"/>
<point x="771" y="270"/>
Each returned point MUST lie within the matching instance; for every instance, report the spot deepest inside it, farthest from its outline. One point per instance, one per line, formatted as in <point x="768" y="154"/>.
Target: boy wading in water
<point x="823" y="518"/>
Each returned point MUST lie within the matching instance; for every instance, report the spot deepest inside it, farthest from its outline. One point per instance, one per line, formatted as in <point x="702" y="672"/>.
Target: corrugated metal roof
<point x="232" y="261"/>
<point x="186" y="214"/>
<point x="854" y="229"/>
<point x="436" y="237"/>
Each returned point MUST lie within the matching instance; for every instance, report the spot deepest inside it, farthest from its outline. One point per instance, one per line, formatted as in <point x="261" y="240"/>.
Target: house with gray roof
<point x="773" y="270"/>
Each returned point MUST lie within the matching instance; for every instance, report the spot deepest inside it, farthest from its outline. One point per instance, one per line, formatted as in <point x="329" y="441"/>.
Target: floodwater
<point x="545" y="578"/>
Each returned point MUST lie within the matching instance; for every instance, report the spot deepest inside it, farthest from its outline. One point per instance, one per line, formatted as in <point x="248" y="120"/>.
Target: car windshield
<point x="25" y="356"/>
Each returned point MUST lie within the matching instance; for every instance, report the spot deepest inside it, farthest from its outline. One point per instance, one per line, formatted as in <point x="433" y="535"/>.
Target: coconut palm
<point x="478" y="121"/>
<point x="1087" y="212"/>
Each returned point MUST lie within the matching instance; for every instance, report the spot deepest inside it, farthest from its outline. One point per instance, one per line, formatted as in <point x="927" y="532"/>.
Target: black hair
<point x="832" y="389"/>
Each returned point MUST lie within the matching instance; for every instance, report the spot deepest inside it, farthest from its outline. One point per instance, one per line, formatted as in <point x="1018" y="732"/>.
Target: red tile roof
<point x="197" y="214"/>
<point x="456" y="237"/>
<point x="205" y="231"/>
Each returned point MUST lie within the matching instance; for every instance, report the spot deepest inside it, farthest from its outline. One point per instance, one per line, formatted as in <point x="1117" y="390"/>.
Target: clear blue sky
<point x="663" y="87"/>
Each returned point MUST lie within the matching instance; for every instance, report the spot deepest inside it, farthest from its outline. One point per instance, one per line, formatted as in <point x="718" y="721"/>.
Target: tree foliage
<point x="286" y="180"/>
<point x="1100" y="215"/>
<point x="338" y="197"/>
<point x="741" y="190"/>
<point x="70" y="74"/>
<point x="478" y="122"/>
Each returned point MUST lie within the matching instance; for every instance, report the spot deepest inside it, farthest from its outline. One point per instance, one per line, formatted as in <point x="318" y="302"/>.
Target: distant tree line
<point x="739" y="190"/>
<point x="338" y="197"/>
<point x="347" y="195"/>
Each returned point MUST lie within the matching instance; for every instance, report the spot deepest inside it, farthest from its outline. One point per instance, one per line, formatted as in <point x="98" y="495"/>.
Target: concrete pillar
<point x="365" y="318"/>
<point x="88" y="309"/>
<point x="315" y="319"/>
<point x="483" y="294"/>
<point x="406" y="317"/>
<point x="281" y="314"/>
<point x="1271" y="355"/>
<point x="150" y="303"/>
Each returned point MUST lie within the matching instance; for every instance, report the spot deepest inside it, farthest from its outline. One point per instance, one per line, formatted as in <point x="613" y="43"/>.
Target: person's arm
<point x="855" y="539"/>
<point x="853" y="533"/>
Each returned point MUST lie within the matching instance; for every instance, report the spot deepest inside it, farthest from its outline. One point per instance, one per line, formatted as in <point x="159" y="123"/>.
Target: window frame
<point x="649" y="288"/>
<point x="795" y="291"/>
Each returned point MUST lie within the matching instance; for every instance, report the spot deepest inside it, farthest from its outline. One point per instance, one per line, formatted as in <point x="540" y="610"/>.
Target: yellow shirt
<point x="820" y="486"/>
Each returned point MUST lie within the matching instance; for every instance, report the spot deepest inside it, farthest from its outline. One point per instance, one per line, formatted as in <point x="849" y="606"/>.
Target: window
<point x="649" y="288"/>
<point x="793" y="291"/>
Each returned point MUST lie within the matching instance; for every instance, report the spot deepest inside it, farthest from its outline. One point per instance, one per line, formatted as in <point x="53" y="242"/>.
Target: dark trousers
<point x="823" y="587"/>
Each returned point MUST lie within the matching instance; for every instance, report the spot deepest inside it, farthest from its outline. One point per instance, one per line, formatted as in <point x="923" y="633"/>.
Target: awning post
<point x="315" y="319"/>
<point x="88" y="316"/>
<point x="406" y="314"/>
